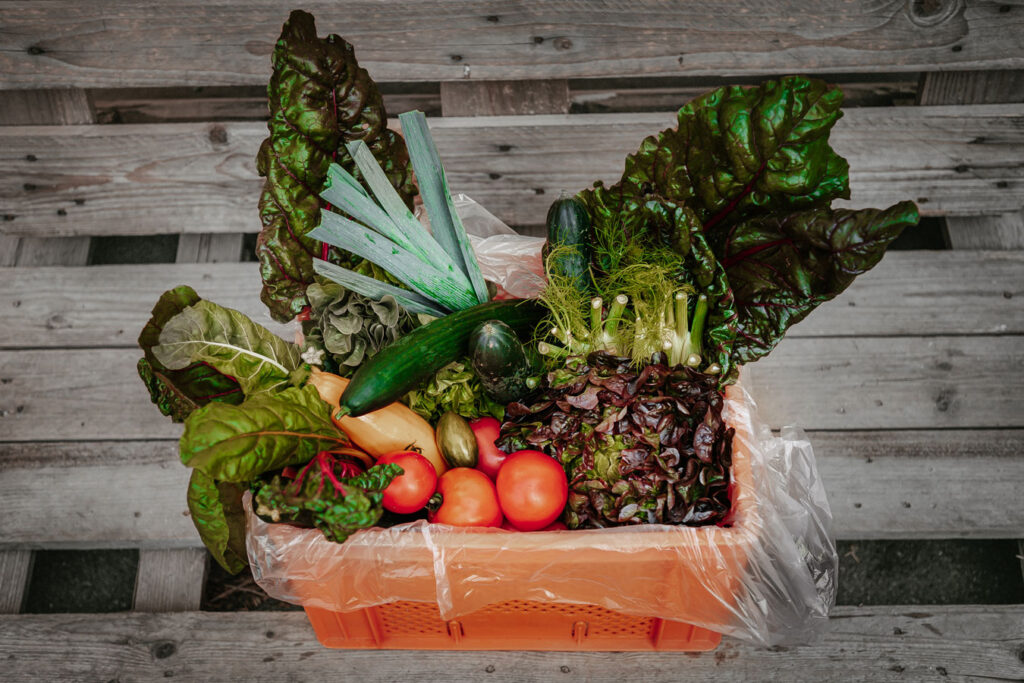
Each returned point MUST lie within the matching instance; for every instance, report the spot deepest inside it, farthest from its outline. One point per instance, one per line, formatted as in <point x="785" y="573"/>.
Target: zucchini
<point x="500" y="361"/>
<point x="569" y="227"/>
<point x="414" y="358"/>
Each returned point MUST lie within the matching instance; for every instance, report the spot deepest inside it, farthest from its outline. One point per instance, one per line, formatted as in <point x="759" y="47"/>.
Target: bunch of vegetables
<point x="411" y="382"/>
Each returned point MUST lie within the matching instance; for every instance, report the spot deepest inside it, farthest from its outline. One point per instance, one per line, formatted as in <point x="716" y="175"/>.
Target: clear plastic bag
<point x="769" y="577"/>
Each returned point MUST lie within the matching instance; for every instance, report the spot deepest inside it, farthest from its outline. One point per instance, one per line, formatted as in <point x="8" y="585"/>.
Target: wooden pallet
<point x="911" y="384"/>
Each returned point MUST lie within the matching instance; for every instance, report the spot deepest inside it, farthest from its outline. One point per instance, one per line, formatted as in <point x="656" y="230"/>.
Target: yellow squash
<point x="391" y="428"/>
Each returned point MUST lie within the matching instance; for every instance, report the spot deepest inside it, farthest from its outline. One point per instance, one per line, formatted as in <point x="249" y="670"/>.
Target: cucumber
<point x="569" y="226"/>
<point x="414" y="358"/>
<point x="500" y="361"/>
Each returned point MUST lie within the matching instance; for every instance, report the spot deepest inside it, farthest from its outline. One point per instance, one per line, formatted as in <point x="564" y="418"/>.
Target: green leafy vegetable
<point x="743" y="160"/>
<point x="639" y="445"/>
<point x="351" y="327"/>
<point x="781" y="268"/>
<point x="228" y="341"/>
<point x="217" y="512"/>
<point x="268" y="432"/>
<point x="177" y="392"/>
<point x="454" y="387"/>
<point x="319" y="99"/>
<point x="326" y="494"/>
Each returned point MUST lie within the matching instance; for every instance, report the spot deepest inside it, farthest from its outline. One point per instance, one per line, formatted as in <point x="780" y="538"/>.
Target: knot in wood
<point x="928" y="13"/>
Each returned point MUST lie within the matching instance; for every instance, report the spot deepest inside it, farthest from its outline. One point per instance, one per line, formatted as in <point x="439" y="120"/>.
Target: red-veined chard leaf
<point x="179" y="391"/>
<point x="319" y="99"/>
<point x="782" y="266"/>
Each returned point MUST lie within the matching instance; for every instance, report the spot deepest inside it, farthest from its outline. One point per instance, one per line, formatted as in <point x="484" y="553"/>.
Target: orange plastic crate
<point x="690" y="580"/>
<point x="512" y="625"/>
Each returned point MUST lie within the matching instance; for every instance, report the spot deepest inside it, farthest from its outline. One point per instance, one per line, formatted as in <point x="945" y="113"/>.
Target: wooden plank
<point x="249" y="103"/>
<point x="112" y="303"/>
<point x="245" y="103"/>
<point x="908" y="293"/>
<point x="38" y="107"/>
<point x="15" y="570"/>
<point x="919" y="642"/>
<point x="1004" y="231"/>
<point x="118" y="43"/>
<point x="843" y="383"/>
<point x="170" y="580"/>
<point x="496" y="98"/>
<point x="880" y="485"/>
<point x="210" y="248"/>
<point x="172" y="178"/>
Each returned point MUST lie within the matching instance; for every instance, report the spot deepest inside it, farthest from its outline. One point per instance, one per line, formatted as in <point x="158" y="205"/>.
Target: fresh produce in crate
<point x="417" y="407"/>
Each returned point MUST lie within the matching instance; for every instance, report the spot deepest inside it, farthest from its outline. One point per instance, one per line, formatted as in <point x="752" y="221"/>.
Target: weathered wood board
<point x="908" y="293"/>
<point x="848" y="383"/>
<point x="880" y="485"/>
<point x="117" y="43"/>
<point x="189" y="177"/>
<point x="877" y="644"/>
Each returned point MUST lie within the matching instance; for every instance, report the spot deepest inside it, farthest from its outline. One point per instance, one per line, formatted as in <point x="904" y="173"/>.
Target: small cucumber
<point x="456" y="441"/>
<point x="414" y="358"/>
<point x="500" y="361"/>
<point x="569" y="227"/>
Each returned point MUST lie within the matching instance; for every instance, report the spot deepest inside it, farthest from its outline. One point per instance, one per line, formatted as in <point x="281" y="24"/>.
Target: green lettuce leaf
<point x="267" y="432"/>
<point x="782" y="267"/>
<point x="217" y="512"/>
<point x="454" y="387"/>
<point x="177" y="392"/>
<point x="319" y="99"/>
<point x="257" y="359"/>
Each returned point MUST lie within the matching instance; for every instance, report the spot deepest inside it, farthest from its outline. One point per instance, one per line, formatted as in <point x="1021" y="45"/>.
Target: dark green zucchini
<point x="569" y="233"/>
<point x="500" y="361"/>
<point x="414" y="358"/>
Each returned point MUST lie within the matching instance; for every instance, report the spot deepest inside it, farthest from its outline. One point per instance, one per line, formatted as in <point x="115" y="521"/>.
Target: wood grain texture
<point x="496" y="98"/>
<point x="112" y="303"/>
<point x="880" y="484"/>
<point x="44" y="107"/>
<point x="170" y="580"/>
<point x="908" y="293"/>
<point x="1005" y="231"/>
<point x="249" y="103"/>
<point x="210" y="248"/>
<point x="844" y="383"/>
<point x="877" y="644"/>
<point x="173" y="178"/>
<point x="15" y="570"/>
<point x="118" y="43"/>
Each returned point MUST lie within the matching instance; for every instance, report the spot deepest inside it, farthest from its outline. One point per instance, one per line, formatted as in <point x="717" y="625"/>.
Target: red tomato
<point x="532" y="490"/>
<point x="469" y="499"/>
<point x="409" y="491"/>
<point x="486" y="430"/>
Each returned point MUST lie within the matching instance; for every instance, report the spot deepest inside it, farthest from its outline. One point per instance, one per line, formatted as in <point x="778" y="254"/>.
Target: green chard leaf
<point x="268" y="432"/>
<point x="319" y="99"/>
<point x="177" y="392"/>
<point x="782" y="267"/>
<point x="256" y="358"/>
<point x="216" y="510"/>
